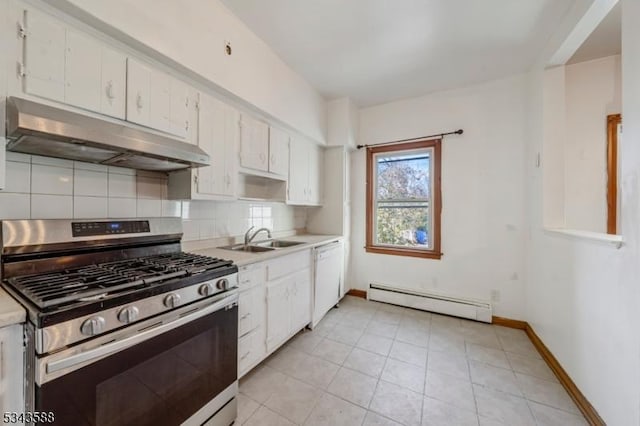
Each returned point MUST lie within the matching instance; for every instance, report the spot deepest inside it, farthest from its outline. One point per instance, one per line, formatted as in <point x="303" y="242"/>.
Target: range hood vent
<point x="34" y="128"/>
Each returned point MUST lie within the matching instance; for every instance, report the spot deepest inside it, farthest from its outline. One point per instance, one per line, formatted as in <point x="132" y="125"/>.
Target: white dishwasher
<point x="328" y="278"/>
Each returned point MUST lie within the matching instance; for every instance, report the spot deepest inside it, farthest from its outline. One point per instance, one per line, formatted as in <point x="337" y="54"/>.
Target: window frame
<point x="435" y="203"/>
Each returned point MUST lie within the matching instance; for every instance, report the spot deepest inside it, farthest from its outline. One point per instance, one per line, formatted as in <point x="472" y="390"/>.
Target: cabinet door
<point x="278" y="315"/>
<point x="246" y="309"/>
<point x="254" y="144"/>
<point x="192" y="115"/>
<point x="159" y="101"/>
<point x="113" y="87"/>
<point x="300" y="300"/>
<point x="83" y="71"/>
<point x="44" y="51"/>
<point x="179" y="118"/>
<point x="278" y="152"/>
<point x="314" y="189"/>
<point x="231" y="138"/>
<point x="209" y="127"/>
<point x="298" y="174"/>
<point x="138" y="79"/>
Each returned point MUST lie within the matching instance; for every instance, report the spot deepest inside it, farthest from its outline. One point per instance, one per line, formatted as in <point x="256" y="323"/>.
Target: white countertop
<point x="242" y="258"/>
<point x="11" y="312"/>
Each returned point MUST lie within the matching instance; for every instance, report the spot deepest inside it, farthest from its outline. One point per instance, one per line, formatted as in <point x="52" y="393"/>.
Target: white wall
<point x="50" y="188"/>
<point x="482" y="187"/>
<point x="192" y="35"/>
<point x="583" y="296"/>
<point x="593" y="91"/>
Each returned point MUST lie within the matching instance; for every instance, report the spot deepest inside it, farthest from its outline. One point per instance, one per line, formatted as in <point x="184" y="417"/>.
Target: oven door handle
<point x="117" y="346"/>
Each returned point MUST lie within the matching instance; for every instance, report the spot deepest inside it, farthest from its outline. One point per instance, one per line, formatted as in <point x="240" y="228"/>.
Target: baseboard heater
<point x="463" y="308"/>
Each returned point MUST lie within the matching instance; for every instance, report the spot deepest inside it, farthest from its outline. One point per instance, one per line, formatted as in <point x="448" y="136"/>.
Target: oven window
<point x="162" y="381"/>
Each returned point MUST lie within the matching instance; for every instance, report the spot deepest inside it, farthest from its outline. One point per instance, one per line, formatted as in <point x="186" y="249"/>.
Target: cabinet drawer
<point x="245" y="349"/>
<point x="246" y="314"/>
<point x="288" y="264"/>
<point x="251" y="275"/>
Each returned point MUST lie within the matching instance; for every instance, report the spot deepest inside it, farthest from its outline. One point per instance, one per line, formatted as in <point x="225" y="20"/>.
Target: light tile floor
<point x="369" y="363"/>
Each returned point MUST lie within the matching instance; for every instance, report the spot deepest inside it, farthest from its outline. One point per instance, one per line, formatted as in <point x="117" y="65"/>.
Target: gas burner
<point x="95" y="282"/>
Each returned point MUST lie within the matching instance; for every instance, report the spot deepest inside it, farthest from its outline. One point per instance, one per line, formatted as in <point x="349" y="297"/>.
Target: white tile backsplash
<point x="90" y="183"/>
<point x="89" y="207"/>
<point x="18" y="177"/>
<point x="14" y="206"/>
<point x="50" y="161"/>
<point x="17" y="156"/>
<point x="150" y="187"/>
<point x="51" y="180"/>
<point x="149" y="208"/>
<point x="79" y="165"/>
<point x="122" y="171"/>
<point x="123" y="186"/>
<point x="51" y="206"/>
<point x="121" y="207"/>
<point x="47" y="188"/>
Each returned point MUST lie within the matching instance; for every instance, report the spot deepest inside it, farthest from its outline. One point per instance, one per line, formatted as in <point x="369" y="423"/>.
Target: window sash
<point x="378" y="203"/>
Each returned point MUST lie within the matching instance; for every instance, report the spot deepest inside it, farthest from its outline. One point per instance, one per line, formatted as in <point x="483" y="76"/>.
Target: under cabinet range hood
<point x="35" y="128"/>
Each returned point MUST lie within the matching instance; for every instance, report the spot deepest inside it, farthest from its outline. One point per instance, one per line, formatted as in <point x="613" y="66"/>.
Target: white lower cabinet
<point x="274" y="304"/>
<point x="288" y="297"/>
<point x="11" y="369"/>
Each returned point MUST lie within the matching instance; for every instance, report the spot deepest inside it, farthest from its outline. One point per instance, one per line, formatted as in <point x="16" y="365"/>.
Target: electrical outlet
<point x="495" y="295"/>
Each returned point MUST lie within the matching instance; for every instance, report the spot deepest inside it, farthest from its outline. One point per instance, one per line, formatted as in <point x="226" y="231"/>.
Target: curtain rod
<point x="457" y="132"/>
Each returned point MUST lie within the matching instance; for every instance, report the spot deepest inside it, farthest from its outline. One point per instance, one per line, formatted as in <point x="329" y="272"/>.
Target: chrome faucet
<point x="248" y="239"/>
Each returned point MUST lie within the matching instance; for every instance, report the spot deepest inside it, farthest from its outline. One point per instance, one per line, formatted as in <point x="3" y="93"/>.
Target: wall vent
<point x="432" y="302"/>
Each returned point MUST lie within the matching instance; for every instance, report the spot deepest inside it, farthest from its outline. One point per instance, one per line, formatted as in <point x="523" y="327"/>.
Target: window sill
<point x="616" y="240"/>
<point x="403" y="252"/>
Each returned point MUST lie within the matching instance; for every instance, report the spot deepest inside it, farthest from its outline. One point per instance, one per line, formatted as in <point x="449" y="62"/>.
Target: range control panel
<point x="88" y="229"/>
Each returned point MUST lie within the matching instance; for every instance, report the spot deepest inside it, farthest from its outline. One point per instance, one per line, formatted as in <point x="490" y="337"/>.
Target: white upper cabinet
<point x="138" y="90"/>
<point x="217" y="135"/>
<point x="113" y="83"/>
<point x="305" y="163"/>
<point x="83" y="71"/>
<point x="95" y="75"/>
<point x="72" y="67"/>
<point x="179" y="111"/>
<point x="254" y="144"/>
<point x="278" y="152"/>
<point x="157" y="100"/>
<point x="44" y="56"/>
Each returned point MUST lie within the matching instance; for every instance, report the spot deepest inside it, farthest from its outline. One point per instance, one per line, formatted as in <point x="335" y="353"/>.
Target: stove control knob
<point x="172" y="300"/>
<point x="206" y="289"/>
<point x="223" y="284"/>
<point x="128" y="314"/>
<point x="93" y="326"/>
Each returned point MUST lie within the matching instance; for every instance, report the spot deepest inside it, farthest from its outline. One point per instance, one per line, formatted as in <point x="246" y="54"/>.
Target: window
<point x="403" y="199"/>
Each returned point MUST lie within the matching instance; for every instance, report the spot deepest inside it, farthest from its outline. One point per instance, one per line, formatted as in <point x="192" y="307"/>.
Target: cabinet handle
<point x="139" y="102"/>
<point x="110" y="94"/>
<point x="186" y="125"/>
<point x="245" y="316"/>
<point x="228" y="179"/>
<point x="244" y="356"/>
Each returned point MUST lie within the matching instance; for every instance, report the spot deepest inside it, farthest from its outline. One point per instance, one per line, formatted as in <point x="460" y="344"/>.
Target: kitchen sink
<point x="247" y="248"/>
<point x="262" y="246"/>
<point x="278" y="243"/>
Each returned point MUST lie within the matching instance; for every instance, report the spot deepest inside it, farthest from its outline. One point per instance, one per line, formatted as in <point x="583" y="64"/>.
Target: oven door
<point x="171" y="370"/>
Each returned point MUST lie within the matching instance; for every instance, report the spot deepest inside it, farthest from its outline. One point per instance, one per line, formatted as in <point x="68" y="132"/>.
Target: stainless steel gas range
<point x="123" y="327"/>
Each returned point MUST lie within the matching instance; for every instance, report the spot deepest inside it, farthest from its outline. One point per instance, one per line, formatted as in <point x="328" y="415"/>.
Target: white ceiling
<point x="375" y="51"/>
<point x="605" y="40"/>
